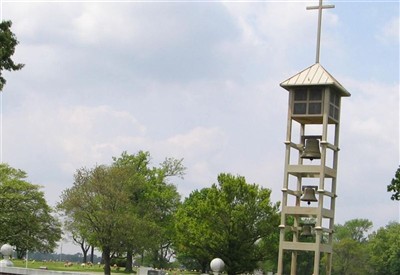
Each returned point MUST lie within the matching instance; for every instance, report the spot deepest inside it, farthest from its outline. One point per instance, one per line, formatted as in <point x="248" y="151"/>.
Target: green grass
<point x="76" y="267"/>
<point x="59" y="266"/>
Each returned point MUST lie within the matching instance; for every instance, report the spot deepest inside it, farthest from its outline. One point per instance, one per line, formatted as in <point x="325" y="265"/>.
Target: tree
<point x="384" y="250"/>
<point x="156" y="201"/>
<point x="355" y="229"/>
<point x="99" y="204"/>
<point x="195" y="235"/>
<point x="350" y="246"/>
<point x="121" y="208"/>
<point x="394" y="186"/>
<point x="233" y="220"/>
<point x="346" y="253"/>
<point x="26" y="220"/>
<point x="8" y="42"/>
<point x="78" y="239"/>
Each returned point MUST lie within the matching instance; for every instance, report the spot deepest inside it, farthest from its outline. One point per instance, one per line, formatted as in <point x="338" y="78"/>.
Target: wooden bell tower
<point x="311" y="162"/>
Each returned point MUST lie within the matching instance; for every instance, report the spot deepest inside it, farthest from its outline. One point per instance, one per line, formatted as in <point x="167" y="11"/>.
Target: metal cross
<point x="319" y="8"/>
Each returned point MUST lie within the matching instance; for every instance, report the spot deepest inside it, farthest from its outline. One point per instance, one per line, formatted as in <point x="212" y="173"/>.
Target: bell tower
<point x="311" y="162"/>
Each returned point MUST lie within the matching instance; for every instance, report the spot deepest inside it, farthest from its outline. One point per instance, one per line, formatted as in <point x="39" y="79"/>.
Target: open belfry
<point x="311" y="162"/>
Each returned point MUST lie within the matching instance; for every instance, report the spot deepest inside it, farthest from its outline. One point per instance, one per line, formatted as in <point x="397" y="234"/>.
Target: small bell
<point x="309" y="194"/>
<point x="306" y="230"/>
<point x="311" y="150"/>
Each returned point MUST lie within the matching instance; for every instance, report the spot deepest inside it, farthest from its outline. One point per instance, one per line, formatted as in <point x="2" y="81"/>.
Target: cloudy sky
<point x="199" y="80"/>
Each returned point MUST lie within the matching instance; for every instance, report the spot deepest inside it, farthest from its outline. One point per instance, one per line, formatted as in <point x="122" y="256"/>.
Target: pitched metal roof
<point x="314" y="75"/>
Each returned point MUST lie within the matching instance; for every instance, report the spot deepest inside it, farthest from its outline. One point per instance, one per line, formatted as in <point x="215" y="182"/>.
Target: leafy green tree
<point x="124" y="208"/>
<point x="394" y="186"/>
<point x="350" y="246"/>
<point x="350" y="258"/>
<point x="355" y="229"/>
<point x="384" y="250"/>
<point x="8" y="42"/>
<point x="194" y="236"/>
<point x="78" y="238"/>
<point x="156" y="201"/>
<point x="233" y="220"/>
<point x="26" y="220"/>
<point x="99" y="204"/>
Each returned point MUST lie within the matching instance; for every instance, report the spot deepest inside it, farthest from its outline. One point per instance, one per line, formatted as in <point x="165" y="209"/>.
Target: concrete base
<point x="6" y="262"/>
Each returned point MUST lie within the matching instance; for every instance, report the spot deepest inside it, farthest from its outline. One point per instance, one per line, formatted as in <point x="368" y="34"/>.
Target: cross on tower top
<point x="319" y="8"/>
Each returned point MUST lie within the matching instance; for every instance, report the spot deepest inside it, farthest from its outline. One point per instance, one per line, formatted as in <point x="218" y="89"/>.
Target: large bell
<point x="306" y="230"/>
<point x="311" y="150"/>
<point x="309" y="195"/>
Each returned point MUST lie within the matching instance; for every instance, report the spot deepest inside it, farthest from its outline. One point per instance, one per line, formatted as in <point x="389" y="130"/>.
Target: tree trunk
<point x="107" y="260"/>
<point x="204" y="266"/>
<point x="20" y="254"/>
<point x="142" y="258"/>
<point x="92" y="254"/>
<point x="84" y="251"/>
<point x="128" y="267"/>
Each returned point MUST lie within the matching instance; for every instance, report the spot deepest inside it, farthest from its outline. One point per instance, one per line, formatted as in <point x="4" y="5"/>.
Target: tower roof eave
<point x="314" y="75"/>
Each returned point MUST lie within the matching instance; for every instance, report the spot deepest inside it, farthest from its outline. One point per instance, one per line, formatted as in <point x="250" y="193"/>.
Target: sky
<point x="199" y="81"/>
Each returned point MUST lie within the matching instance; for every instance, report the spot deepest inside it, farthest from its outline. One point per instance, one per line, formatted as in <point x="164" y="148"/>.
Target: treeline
<point x="55" y="257"/>
<point x="131" y="211"/>
<point x="357" y="252"/>
<point x="26" y="220"/>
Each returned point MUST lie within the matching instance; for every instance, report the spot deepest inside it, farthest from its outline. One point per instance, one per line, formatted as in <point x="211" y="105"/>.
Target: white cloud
<point x="96" y="132"/>
<point x="46" y="23"/>
<point x="374" y="112"/>
<point x="278" y="34"/>
<point x="70" y="136"/>
<point x="390" y="31"/>
<point x="131" y="25"/>
<point x="201" y="148"/>
<point x="370" y="150"/>
<point x="199" y="140"/>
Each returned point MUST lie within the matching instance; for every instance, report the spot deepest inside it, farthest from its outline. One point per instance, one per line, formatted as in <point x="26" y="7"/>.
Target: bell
<point x="309" y="195"/>
<point x="311" y="150"/>
<point x="306" y="231"/>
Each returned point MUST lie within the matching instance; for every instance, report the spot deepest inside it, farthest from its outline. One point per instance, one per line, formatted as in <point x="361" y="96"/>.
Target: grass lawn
<point x="60" y="266"/>
<point x="77" y="267"/>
